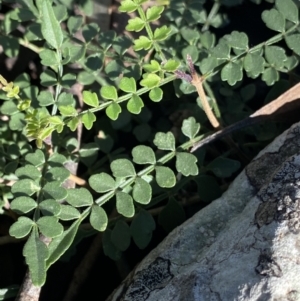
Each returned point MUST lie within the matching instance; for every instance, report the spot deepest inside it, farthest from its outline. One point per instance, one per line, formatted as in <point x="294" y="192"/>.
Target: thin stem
<point x="197" y="83"/>
<point x="211" y="15"/>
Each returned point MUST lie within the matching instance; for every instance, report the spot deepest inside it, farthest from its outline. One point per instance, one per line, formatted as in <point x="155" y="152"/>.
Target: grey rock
<point x="243" y="246"/>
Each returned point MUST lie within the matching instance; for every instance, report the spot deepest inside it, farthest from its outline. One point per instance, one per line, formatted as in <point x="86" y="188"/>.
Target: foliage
<point x="121" y="84"/>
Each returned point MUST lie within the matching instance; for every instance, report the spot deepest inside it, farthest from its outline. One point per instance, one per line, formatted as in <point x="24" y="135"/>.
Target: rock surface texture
<point x="243" y="246"/>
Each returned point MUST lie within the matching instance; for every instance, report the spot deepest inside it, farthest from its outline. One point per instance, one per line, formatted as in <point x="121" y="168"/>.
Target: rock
<point x="243" y="246"/>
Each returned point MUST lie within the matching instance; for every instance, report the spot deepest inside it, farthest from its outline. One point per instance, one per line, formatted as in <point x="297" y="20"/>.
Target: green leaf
<point x="36" y="254"/>
<point x="53" y="190"/>
<point x="102" y="182"/>
<point x="156" y="94"/>
<point x="128" y="85"/>
<point x="275" y="56"/>
<point x="135" y="104"/>
<point x="23" y="204"/>
<point x="270" y="76"/>
<point x="65" y="99"/>
<point x="150" y="80"/>
<point x="165" y="177"/>
<point x="143" y="155"/>
<point x="153" y="67"/>
<point x="48" y="77"/>
<point x="109" y="248"/>
<point x="223" y="167"/>
<point x="208" y="39"/>
<point x="136" y="24"/>
<point x="221" y="51"/>
<point x="122" y="168"/>
<point x="232" y="73"/>
<point x="274" y="19"/>
<point x="60" y="12"/>
<point x="68" y="80"/>
<point x="89" y="31"/>
<point x="113" y="111"/>
<point x="21" y="227"/>
<point x="28" y="172"/>
<point x="68" y="213"/>
<point x="86" y="78"/>
<point x="106" y="39"/>
<point x="88" y="119"/>
<point x="254" y="64"/>
<point x="109" y="92"/>
<point x="142" y="43"/>
<point x="59" y="174"/>
<point x="9" y="108"/>
<point x="51" y="29"/>
<point x="115" y="69"/>
<point x="67" y="111"/>
<point x="237" y="40"/>
<point x="49" y="226"/>
<point x="153" y="13"/>
<point x="21" y="14"/>
<point x="73" y="123"/>
<point x="291" y="62"/>
<point x="24" y="105"/>
<point x="50" y="208"/>
<point x="120" y="236"/>
<point x="79" y="197"/>
<point x="94" y="62"/>
<point x="25" y="187"/>
<point x="288" y="9"/>
<point x="124" y="204"/>
<point x="162" y="33"/>
<point x="293" y="42"/>
<point x="16" y="122"/>
<point x="142" y="191"/>
<point x="171" y="65"/>
<point x="186" y="164"/>
<point x="171" y="216"/>
<point x="89" y="153"/>
<point x="49" y="57"/>
<point x="74" y="23"/>
<point x="190" y="127"/>
<point x="11" y="44"/>
<point x="128" y="6"/>
<point x="122" y="44"/>
<point x="165" y="141"/>
<point x="141" y="228"/>
<point x="98" y="218"/>
<point x="208" y="188"/>
<point x="60" y="244"/>
<point x="36" y="159"/>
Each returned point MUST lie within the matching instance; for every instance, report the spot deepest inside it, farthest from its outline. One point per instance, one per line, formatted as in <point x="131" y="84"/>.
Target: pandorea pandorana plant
<point x="37" y="139"/>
